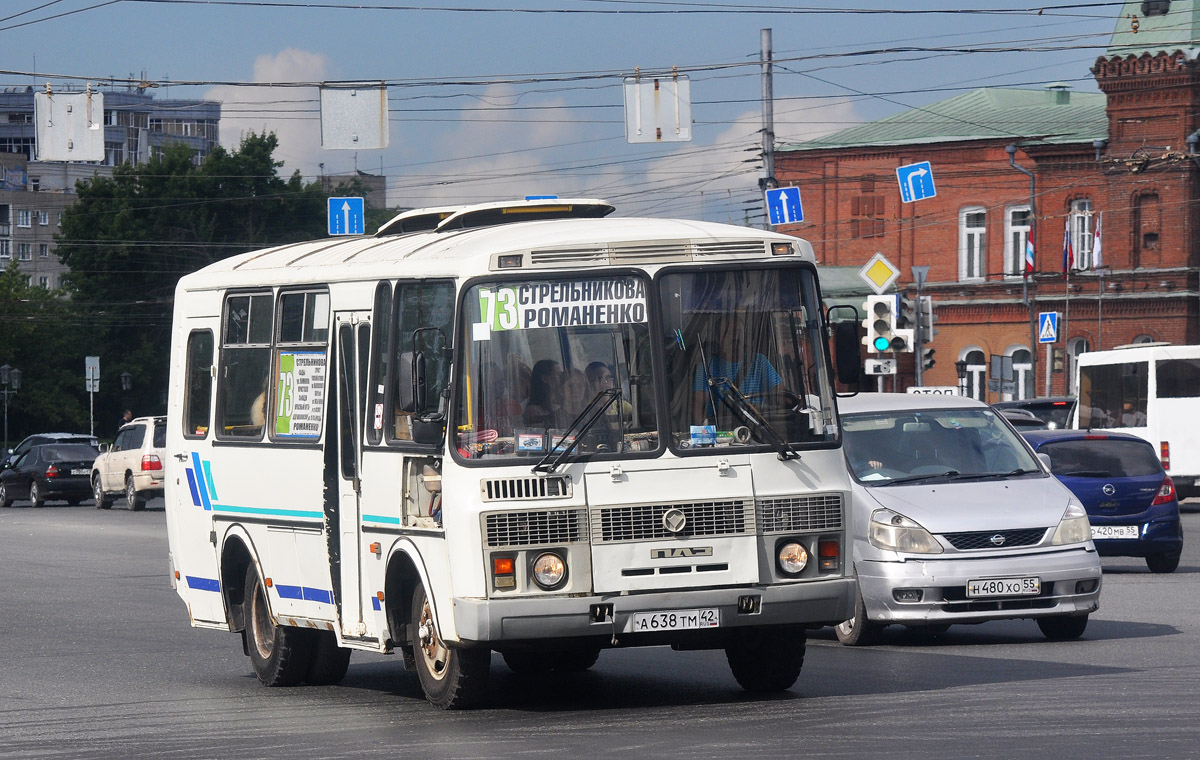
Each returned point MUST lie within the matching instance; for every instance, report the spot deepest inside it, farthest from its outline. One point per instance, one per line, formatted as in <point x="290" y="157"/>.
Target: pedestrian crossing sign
<point x="1048" y="327"/>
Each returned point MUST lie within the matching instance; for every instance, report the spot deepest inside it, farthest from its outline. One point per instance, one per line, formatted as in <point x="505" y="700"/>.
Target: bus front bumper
<point x="812" y="603"/>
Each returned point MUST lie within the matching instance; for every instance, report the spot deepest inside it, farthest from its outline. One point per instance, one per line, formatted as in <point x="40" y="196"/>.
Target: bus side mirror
<point x="845" y="348"/>
<point x="412" y="390"/>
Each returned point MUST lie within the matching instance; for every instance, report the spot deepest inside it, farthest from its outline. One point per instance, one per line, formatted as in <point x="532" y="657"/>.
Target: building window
<point x="1082" y="232"/>
<point x="44" y="282"/>
<point x="1016" y="236"/>
<point x="1022" y="373"/>
<point x="976" y="379"/>
<point x="5" y="249"/>
<point x="43" y="218"/>
<point x="1146" y="224"/>
<point x="24" y="251"/>
<point x="971" y="229"/>
<point x="44" y="250"/>
<point x="1155" y="7"/>
<point x="1075" y="347"/>
<point x="866" y="210"/>
<point x="24" y="217"/>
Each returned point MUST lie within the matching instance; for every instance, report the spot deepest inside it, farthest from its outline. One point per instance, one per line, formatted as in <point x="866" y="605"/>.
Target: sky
<point x="491" y="101"/>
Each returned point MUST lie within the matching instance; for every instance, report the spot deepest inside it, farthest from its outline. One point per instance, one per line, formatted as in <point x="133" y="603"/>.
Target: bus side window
<point x="422" y="305"/>
<point x="377" y="385"/>
<point x="245" y="365"/>
<point x="197" y="400"/>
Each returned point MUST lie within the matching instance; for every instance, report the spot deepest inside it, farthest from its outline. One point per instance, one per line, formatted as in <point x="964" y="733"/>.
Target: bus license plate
<point x="1115" y="531"/>
<point x="987" y="587"/>
<point x="676" y="620"/>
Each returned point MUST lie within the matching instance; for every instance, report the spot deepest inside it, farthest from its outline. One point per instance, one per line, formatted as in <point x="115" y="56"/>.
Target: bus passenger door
<point x="345" y="518"/>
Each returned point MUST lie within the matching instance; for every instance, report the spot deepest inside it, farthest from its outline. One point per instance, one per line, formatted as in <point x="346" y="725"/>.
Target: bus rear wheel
<point x="452" y="679"/>
<point x="329" y="661"/>
<point x="768" y="658"/>
<point x="280" y="655"/>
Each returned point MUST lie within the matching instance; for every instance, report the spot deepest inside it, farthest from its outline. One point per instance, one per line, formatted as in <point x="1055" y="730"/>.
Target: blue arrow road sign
<point x="783" y="205"/>
<point x="1048" y="327"/>
<point x="916" y="182"/>
<point x="346" y="216"/>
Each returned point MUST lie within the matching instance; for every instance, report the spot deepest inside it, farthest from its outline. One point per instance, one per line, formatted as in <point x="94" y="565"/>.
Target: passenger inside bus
<point x="545" y="394"/>
<point x="729" y="359"/>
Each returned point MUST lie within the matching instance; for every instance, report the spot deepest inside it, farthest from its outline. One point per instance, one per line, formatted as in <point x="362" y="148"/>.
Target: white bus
<point x="519" y="428"/>
<point x="1149" y="390"/>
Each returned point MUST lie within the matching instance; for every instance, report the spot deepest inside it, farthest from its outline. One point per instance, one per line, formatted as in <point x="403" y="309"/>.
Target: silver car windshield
<point x="908" y="446"/>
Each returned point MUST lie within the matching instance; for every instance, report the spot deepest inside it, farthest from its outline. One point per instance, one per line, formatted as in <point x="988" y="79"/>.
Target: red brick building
<point x="1119" y="164"/>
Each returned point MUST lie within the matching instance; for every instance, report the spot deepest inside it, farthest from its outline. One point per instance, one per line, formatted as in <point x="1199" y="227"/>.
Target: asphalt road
<point x="99" y="661"/>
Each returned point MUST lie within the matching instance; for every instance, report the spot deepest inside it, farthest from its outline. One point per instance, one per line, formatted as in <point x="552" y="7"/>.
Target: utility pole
<point x="1028" y="293"/>
<point x="768" y="116"/>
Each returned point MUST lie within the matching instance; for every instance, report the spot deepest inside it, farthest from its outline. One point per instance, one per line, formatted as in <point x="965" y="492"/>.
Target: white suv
<point x="133" y="465"/>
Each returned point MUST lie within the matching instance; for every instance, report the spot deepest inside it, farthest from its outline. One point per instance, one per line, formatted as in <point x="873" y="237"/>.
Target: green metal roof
<point x="1053" y="115"/>
<point x="1178" y="29"/>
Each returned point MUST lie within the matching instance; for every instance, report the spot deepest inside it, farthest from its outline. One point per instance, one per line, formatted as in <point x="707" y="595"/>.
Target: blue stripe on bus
<point x="191" y="476"/>
<point x="381" y="519"/>
<point x="267" y="511"/>
<point x="304" y="593"/>
<point x="203" y="491"/>
<point x="203" y="584"/>
<point x="375" y="603"/>
<point x="212" y="488"/>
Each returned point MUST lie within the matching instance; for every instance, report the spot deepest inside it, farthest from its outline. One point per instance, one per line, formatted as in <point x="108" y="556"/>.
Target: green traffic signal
<point x="882" y="343"/>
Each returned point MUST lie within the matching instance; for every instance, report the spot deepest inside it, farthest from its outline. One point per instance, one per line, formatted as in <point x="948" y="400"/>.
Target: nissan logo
<point x="997" y="540"/>
<point x="674" y="520"/>
<point x="1109" y="489"/>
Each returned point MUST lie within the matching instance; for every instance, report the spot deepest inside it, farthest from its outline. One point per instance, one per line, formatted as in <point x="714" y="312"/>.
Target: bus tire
<point x="766" y="659"/>
<point x="452" y="679"/>
<point x="280" y="655"/>
<point x="576" y="660"/>
<point x="329" y="661"/>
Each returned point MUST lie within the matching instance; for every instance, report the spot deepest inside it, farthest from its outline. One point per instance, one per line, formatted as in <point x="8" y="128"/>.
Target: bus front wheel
<point x="767" y="658"/>
<point x="451" y="678"/>
<point x="281" y="655"/>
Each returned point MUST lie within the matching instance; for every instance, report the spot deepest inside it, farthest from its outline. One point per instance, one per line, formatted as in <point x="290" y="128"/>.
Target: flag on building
<point x="1097" y="260"/>
<point x="1068" y="251"/>
<point x="1028" y="256"/>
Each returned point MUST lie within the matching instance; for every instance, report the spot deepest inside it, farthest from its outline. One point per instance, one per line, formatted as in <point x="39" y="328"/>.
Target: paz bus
<point x="1151" y="390"/>
<point x="526" y="428"/>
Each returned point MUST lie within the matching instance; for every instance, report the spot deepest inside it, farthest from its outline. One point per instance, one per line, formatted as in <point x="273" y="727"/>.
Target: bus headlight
<point x="893" y="531"/>
<point x="549" y="570"/>
<point x="1074" y="527"/>
<point x="793" y="557"/>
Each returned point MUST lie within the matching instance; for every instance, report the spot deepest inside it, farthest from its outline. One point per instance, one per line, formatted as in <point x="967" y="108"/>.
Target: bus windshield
<point x="539" y="352"/>
<point x="745" y="360"/>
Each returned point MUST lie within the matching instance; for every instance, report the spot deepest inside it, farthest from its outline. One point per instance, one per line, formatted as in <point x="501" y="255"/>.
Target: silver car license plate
<point x="989" y="587"/>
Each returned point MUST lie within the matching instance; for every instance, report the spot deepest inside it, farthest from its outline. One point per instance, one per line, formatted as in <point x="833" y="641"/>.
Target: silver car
<point x="956" y="520"/>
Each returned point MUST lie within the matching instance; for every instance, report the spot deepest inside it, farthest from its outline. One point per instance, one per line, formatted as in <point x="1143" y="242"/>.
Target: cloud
<point x="289" y="112"/>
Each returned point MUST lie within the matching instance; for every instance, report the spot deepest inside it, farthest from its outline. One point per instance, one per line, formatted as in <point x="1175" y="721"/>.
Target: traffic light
<point x="927" y="319"/>
<point x="906" y="317"/>
<point x="1057" y="362"/>
<point x="927" y="360"/>
<point x="880" y="323"/>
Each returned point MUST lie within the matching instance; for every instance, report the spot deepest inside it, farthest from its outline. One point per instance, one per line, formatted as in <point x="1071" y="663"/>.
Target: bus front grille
<point x="525" y="488"/>
<point x="645" y="521"/>
<point x="535" y="528"/>
<point x="804" y="513"/>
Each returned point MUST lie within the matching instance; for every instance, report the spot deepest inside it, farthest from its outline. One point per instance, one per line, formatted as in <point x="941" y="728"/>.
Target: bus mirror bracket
<point x="846" y="345"/>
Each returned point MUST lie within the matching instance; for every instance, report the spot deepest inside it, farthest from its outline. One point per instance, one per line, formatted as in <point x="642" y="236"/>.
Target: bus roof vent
<point x="491" y="214"/>
<point x="732" y="247"/>
<point x="415" y="220"/>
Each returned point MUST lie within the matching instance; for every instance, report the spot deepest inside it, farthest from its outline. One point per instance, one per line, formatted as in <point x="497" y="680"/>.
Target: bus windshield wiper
<point x="580" y="425"/>
<point x="737" y="402"/>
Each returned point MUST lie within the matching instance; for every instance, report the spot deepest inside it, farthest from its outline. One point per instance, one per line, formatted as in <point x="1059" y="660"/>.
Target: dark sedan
<point x="1129" y="498"/>
<point x="49" y="472"/>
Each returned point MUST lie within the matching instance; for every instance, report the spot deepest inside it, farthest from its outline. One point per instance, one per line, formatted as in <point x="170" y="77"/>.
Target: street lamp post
<point x="960" y="367"/>
<point x="10" y="383"/>
<point x="1011" y="150"/>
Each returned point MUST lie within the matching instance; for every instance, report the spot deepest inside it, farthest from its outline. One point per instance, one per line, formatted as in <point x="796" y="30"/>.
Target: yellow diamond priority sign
<point x="879" y="273"/>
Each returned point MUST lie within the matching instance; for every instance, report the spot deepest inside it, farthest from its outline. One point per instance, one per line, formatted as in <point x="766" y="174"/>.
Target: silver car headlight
<point x="895" y="532"/>
<point x="1074" y="527"/>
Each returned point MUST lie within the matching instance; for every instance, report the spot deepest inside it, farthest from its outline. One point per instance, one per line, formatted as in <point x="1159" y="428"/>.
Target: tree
<point x="129" y="238"/>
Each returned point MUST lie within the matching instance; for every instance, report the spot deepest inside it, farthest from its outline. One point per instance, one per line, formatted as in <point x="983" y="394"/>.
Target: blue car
<point x="1130" y="500"/>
